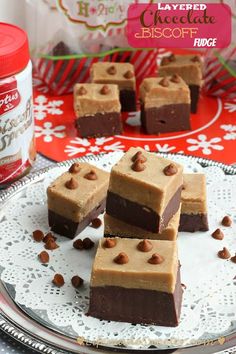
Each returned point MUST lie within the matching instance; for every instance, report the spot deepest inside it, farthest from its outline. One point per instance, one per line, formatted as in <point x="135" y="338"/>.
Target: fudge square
<point x="76" y="198"/>
<point x="194" y="203"/>
<point x="114" y="227"/>
<point x="144" y="190"/>
<point x="121" y="74"/>
<point x="136" y="281"/>
<point x="189" y="67"/>
<point x="165" y="105"/>
<point x="97" y="108"/>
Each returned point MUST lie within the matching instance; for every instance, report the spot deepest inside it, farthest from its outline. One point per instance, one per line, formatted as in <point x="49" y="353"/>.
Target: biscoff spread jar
<point x="17" y="146"/>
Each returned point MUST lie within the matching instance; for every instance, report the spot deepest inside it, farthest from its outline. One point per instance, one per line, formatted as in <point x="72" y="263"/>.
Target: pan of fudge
<point x="122" y="252"/>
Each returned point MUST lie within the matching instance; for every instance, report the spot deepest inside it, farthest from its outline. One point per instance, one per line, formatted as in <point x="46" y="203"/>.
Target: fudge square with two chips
<point x="165" y="104"/>
<point x="136" y="281"/>
<point x="97" y="108"/>
<point x="144" y="190"/>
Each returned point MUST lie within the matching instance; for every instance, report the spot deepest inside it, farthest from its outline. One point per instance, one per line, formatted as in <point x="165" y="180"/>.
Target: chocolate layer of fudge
<point x="165" y="105"/>
<point x="194" y="204"/>
<point x="114" y="227"/>
<point x="121" y="74"/>
<point x="136" y="281"/>
<point x="76" y="198"/>
<point x="97" y="108"/>
<point x="189" y="67"/>
<point x="144" y="190"/>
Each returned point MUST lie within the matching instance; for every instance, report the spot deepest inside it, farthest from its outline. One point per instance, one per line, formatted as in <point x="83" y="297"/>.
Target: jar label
<point x="9" y="95"/>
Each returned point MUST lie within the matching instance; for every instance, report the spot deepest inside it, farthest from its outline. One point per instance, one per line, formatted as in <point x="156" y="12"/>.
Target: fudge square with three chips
<point x="121" y="74"/>
<point x="136" y="281"/>
<point x="76" y="198"/>
<point x="144" y="190"/>
<point x="97" y="108"/>
<point x="190" y="68"/>
<point x="165" y="104"/>
<point x="194" y="203"/>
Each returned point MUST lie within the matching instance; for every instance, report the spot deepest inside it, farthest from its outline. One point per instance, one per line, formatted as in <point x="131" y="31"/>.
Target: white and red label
<point x="9" y="95"/>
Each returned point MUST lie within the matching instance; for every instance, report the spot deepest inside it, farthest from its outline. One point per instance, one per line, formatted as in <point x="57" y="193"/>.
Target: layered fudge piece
<point x="144" y="190"/>
<point x="190" y="68"/>
<point x="114" y="227"/>
<point x="76" y="198"/>
<point x="165" y="104"/>
<point x="121" y="74"/>
<point x="136" y="281"/>
<point x="194" y="204"/>
<point x="97" y="108"/>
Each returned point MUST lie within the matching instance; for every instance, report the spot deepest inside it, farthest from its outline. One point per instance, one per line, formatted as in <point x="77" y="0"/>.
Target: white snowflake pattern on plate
<point x="231" y="129"/>
<point x="42" y="107"/>
<point x="205" y="145"/>
<point x="48" y="132"/>
<point x="230" y="106"/>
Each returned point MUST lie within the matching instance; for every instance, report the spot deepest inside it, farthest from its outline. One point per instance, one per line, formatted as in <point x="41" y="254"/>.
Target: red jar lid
<point x="14" y="50"/>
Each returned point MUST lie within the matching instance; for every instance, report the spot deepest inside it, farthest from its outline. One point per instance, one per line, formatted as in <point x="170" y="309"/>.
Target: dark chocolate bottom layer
<point x="100" y="124"/>
<point x="115" y="303"/>
<point x="194" y="95"/>
<point x="70" y="228"/>
<point x="168" y="118"/>
<point x="128" y="100"/>
<point x="140" y="215"/>
<point x="193" y="222"/>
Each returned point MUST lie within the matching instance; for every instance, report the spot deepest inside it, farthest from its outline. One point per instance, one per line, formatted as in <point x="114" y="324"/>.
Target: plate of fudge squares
<point x="121" y="252"/>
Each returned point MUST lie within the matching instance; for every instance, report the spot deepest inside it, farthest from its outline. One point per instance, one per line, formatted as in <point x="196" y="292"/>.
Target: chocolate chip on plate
<point x="43" y="257"/>
<point x="226" y="221"/>
<point x="224" y="253"/>
<point x="96" y="223"/>
<point x="218" y="234"/>
<point x="48" y="236"/>
<point x="38" y="235"/>
<point x="51" y="245"/>
<point x="76" y="281"/>
<point x="88" y="243"/>
<point x="58" y="280"/>
<point x="233" y="259"/>
<point x="78" y="244"/>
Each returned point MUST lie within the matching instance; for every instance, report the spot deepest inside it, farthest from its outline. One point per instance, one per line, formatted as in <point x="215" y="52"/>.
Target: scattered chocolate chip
<point x="170" y="170"/>
<point x="109" y="243"/>
<point x="58" y="280"/>
<point x="105" y="90"/>
<point x="156" y="259"/>
<point x="87" y="243"/>
<point x="139" y="155"/>
<point x="96" y="223"/>
<point x="165" y="61"/>
<point x="76" y="281"/>
<point x="49" y="236"/>
<point x="111" y="70"/>
<point x="51" y="245"/>
<point x="43" y="257"/>
<point x="196" y="59"/>
<point x="72" y="183"/>
<point x="218" y="234"/>
<point x="81" y="91"/>
<point x="233" y="259"/>
<point x="226" y="221"/>
<point x="224" y="253"/>
<point x="145" y="246"/>
<point x="92" y="176"/>
<point x="122" y="258"/>
<point x="38" y="235"/>
<point x="78" y="244"/>
<point x="175" y="78"/>
<point x="172" y="57"/>
<point x="75" y="168"/>
<point x="164" y="82"/>
<point x="138" y="166"/>
<point x="129" y="74"/>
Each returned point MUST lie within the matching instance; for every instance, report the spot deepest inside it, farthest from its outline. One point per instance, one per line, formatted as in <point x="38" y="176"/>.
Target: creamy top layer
<point x="100" y="74"/>
<point x="92" y="101"/>
<point x="193" y="195"/>
<point x="190" y="71"/>
<point x="117" y="227"/>
<point x="150" y="187"/>
<point x="75" y="204"/>
<point x="138" y="273"/>
<point x="152" y="94"/>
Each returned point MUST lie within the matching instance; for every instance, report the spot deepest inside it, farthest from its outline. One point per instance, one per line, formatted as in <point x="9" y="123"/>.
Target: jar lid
<point x="14" y="50"/>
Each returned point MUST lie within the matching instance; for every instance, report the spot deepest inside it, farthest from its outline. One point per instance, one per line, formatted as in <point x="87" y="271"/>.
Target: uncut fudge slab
<point x="141" y="194"/>
<point x="76" y="198"/>
<point x="136" y="282"/>
<point x="165" y="105"/>
<point x="121" y="74"/>
<point x="190" y="68"/>
<point x="97" y="108"/>
<point x="194" y="204"/>
<point x="114" y="227"/>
